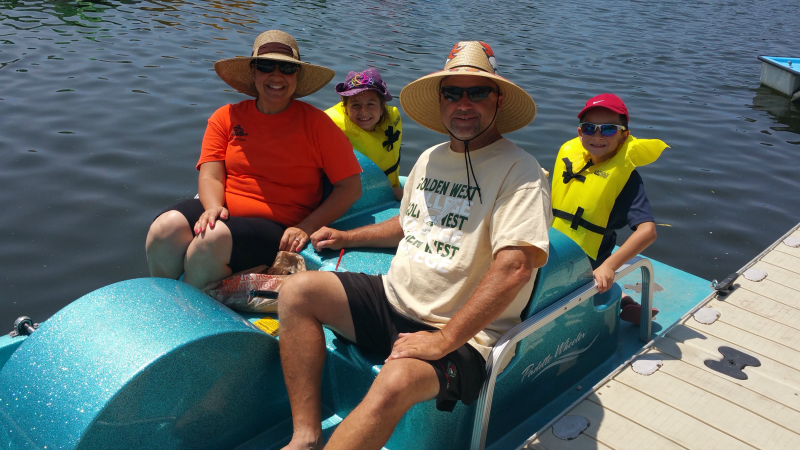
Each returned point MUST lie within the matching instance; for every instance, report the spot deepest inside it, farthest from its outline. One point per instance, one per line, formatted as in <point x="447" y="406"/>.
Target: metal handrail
<point x="509" y="340"/>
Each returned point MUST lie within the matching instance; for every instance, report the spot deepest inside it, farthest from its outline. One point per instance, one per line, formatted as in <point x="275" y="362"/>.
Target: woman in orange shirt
<point x="261" y="168"/>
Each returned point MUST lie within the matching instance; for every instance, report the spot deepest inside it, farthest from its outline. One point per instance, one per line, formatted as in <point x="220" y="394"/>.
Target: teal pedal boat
<point x="154" y="363"/>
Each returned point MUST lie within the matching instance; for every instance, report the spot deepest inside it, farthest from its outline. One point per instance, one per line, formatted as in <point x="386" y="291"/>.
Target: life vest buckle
<point x="576" y="219"/>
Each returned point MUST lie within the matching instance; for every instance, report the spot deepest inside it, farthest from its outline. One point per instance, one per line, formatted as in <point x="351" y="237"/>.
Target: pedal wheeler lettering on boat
<point x="541" y="366"/>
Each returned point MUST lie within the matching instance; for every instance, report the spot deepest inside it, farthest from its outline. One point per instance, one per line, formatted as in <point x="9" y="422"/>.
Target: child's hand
<point x="604" y="277"/>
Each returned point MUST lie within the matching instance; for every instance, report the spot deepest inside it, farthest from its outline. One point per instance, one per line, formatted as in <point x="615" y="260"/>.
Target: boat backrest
<point x="567" y="269"/>
<point x="375" y="187"/>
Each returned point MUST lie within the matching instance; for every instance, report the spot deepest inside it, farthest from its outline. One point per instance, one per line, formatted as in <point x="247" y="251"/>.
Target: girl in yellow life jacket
<point x="373" y="128"/>
<point x="596" y="191"/>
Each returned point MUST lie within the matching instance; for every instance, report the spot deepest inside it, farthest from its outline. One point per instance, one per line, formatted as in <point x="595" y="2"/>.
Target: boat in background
<point x="155" y="363"/>
<point x="781" y="74"/>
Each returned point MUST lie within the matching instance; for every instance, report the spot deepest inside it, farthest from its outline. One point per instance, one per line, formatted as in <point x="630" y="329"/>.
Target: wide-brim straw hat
<point x="277" y="46"/>
<point x="420" y="99"/>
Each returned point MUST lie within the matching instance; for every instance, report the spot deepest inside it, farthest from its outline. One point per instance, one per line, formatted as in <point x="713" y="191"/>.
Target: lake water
<point x="103" y="105"/>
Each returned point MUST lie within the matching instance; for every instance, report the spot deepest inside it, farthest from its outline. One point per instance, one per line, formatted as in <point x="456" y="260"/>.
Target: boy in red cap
<point x="596" y="190"/>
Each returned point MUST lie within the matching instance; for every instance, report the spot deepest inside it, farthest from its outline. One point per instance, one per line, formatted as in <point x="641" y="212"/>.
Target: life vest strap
<point x="569" y="175"/>
<point x="576" y="221"/>
<point x="394" y="167"/>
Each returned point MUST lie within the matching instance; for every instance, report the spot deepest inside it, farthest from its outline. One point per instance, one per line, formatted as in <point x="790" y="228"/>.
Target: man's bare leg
<point x="400" y="384"/>
<point x="308" y="300"/>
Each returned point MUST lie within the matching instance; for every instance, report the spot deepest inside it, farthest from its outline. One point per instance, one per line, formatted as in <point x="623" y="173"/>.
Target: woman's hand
<point x="293" y="240"/>
<point x="604" y="277"/>
<point x="209" y="217"/>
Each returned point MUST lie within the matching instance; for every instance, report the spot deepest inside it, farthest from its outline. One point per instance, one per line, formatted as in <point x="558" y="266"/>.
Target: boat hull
<point x="779" y="75"/>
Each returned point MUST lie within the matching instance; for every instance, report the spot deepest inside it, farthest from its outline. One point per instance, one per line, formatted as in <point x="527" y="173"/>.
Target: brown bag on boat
<point x="236" y="291"/>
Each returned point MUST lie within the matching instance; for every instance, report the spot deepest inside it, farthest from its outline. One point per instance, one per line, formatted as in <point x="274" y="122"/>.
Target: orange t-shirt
<point x="274" y="163"/>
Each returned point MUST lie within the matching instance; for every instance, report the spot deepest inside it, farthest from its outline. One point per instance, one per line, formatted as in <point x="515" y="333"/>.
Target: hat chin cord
<point x="468" y="159"/>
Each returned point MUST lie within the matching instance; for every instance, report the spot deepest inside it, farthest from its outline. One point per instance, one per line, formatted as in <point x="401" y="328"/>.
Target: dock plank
<point x="750" y="342"/>
<point x="725" y="387"/>
<point x="685" y="404"/>
<point x="773" y="380"/>
<point x="783" y="248"/>
<point x="783" y="260"/>
<point x="617" y="432"/>
<point x="746" y="320"/>
<point x="725" y="415"/>
<point x="771" y="290"/>
<point x="548" y="441"/>
<point x="663" y="419"/>
<point x="779" y="274"/>
<point x="765" y="307"/>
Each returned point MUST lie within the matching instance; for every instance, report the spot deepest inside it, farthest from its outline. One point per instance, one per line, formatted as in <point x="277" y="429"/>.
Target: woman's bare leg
<point x="167" y="240"/>
<point x="208" y="256"/>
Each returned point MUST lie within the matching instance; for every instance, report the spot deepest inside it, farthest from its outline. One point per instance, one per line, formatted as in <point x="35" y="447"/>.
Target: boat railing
<point x="508" y="342"/>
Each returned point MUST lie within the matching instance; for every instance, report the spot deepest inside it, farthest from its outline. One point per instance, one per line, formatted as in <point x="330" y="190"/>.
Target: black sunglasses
<point x="268" y="66"/>
<point x="475" y="93"/>
<point x="606" y="129"/>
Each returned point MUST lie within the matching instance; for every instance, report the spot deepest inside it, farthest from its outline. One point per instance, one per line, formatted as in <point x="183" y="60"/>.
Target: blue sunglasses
<point x="606" y="129"/>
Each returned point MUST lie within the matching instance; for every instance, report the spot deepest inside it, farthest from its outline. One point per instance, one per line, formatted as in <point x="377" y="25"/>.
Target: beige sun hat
<point x="420" y="99"/>
<point x="277" y="46"/>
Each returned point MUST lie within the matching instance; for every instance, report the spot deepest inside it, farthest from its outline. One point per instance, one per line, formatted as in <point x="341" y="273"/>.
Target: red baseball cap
<point x="608" y="101"/>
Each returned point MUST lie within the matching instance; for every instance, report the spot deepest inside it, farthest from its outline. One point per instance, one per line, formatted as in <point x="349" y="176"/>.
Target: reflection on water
<point x="104" y="104"/>
<point x="784" y="113"/>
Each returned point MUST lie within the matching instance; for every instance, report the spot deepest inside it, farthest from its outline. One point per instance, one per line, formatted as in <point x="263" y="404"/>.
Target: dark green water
<point x="103" y="107"/>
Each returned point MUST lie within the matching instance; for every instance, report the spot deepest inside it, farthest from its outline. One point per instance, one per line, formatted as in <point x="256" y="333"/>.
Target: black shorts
<point x="461" y="373"/>
<point x="255" y="240"/>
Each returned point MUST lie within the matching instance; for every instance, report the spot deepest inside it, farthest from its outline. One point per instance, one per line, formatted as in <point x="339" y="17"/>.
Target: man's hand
<point x="328" y="238"/>
<point x="425" y="345"/>
<point x="604" y="277"/>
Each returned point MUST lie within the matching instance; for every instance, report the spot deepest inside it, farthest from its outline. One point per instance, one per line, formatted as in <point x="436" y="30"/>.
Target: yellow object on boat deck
<point x="268" y="325"/>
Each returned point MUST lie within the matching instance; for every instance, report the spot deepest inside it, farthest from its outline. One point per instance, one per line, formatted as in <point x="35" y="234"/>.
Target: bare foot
<point x="302" y="444"/>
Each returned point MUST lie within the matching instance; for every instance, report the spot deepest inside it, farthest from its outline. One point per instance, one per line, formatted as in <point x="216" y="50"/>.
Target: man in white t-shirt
<point x="472" y="232"/>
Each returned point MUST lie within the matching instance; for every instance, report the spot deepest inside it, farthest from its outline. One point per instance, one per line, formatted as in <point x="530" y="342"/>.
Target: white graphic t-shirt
<point x="451" y="237"/>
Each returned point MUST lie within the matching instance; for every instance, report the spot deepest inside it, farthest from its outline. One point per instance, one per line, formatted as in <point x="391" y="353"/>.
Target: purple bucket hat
<point x="358" y="82"/>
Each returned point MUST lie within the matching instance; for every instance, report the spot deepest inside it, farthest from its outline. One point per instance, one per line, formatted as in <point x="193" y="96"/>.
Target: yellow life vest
<point x="583" y="195"/>
<point x="382" y="146"/>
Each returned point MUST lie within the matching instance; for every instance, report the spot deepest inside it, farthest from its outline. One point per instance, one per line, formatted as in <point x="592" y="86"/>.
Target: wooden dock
<point x="687" y="405"/>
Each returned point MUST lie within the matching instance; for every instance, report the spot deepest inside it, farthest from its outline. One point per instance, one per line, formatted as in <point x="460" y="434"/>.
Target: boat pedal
<point x="725" y="286"/>
<point x="569" y="427"/>
<point x="732" y="363"/>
